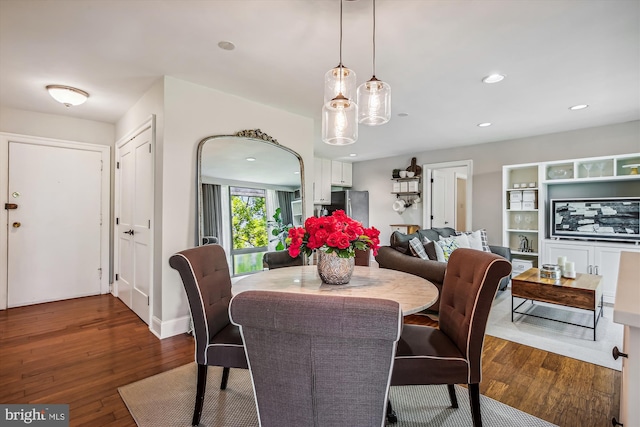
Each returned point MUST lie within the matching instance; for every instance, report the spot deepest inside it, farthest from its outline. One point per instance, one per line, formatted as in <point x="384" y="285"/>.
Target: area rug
<point x="555" y="337"/>
<point x="167" y="400"/>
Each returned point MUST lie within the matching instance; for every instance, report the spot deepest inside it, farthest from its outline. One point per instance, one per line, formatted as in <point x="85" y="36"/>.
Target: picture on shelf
<point x="596" y="219"/>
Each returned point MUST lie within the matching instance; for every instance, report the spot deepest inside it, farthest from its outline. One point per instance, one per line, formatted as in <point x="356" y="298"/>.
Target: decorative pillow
<point x="430" y="249"/>
<point x="462" y="240"/>
<point x="417" y="249"/>
<point x="474" y="237"/>
<point x="477" y="239"/>
<point x="447" y="246"/>
<point x="400" y="241"/>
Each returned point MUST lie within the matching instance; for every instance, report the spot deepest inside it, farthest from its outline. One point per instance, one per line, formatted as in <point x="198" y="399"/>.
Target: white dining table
<point x="412" y="292"/>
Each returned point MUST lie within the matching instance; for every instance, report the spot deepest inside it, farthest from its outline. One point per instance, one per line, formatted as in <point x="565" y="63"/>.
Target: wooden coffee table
<point x="583" y="292"/>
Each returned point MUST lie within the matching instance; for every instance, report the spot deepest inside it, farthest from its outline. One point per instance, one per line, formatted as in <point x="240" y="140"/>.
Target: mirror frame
<point x="252" y="135"/>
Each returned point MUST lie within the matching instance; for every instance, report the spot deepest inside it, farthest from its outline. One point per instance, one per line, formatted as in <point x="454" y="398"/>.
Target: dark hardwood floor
<point x="80" y="351"/>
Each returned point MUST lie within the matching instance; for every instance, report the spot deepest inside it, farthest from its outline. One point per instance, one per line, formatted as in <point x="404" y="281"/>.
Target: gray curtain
<point x="284" y="201"/>
<point x="212" y="211"/>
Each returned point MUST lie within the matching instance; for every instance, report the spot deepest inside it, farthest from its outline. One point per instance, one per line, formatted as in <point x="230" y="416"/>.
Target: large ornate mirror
<point x="243" y="181"/>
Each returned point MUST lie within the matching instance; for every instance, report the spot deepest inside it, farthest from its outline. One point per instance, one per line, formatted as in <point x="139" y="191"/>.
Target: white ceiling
<point x="433" y="53"/>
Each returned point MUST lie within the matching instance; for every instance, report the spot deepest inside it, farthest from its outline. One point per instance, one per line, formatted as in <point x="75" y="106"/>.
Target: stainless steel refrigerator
<point x="354" y="203"/>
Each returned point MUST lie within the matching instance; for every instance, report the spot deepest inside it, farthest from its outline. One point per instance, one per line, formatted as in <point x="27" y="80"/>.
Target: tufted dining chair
<point x="279" y="259"/>
<point x="452" y="353"/>
<point x="205" y="276"/>
<point x="318" y="360"/>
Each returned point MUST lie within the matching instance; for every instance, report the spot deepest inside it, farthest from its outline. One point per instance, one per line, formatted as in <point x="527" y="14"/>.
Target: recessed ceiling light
<point x="225" y="45"/>
<point x="484" y="125"/>
<point x="493" y="78"/>
<point x="352" y="155"/>
<point x="579" y="107"/>
<point x="250" y="159"/>
<point x="403" y="114"/>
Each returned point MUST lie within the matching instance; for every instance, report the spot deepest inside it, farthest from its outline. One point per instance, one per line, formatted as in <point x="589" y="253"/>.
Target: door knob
<point x="130" y="232"/>
<point x="617" y="353"/>
<point x="16" y="225"/>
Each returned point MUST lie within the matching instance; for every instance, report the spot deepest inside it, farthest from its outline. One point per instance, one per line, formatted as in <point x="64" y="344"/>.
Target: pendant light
<point x="340" y="114"/>
<point x="339" y="79"/>
<point x="374" y="96"/>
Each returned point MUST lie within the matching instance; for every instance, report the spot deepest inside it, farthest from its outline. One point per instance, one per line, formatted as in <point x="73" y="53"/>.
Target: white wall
<point x="188" y="113"/>
<point x="488" y="159"/>
<point x="56" y="127"/>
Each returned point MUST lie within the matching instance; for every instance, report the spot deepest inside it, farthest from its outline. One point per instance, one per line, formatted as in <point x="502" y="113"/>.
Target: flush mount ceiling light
<point x="578" y="107"/>
<point x="340" y="114"/>
<point x="493" y="78"/>
<point x="374" y="96"/>
<point x="484" y="125"/>
<point x="250" y="159"/>
<point x="225" y="45"/>
<point x="67" y="95"/>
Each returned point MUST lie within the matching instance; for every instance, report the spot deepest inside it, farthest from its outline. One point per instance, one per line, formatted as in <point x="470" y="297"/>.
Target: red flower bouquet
<point x="336" y="233"/>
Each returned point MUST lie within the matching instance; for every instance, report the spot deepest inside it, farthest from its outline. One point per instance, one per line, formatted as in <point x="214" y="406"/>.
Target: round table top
<point x="412" y="292"/>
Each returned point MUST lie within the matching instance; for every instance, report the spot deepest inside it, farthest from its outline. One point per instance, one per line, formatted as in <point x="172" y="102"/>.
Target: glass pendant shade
<point x="339" y="121"/>
<point x="334" y="85"/>
<point x="374" y="102"/>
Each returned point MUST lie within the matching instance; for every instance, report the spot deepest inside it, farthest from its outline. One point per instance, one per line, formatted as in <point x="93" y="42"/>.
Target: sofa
<point x="399" y="256"/>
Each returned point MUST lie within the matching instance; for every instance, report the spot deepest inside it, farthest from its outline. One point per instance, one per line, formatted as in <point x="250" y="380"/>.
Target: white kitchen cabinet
<point x="296" y="213"/>
<point x="600" y="258"/>
<point x="341" y="174"/>
<point x="322" y="182"/>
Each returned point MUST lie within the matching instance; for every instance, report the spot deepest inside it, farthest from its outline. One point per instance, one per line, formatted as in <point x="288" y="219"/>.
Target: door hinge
<point x="149" y="224"/>
<point x="100" y="273"/>
<point x="431" y="179"/>
<point x="117" y="165"/>
<point x="149" y="148"/>
<point x="431" y="216"/>
<point x="8" y="206"/>
<point x="117" y="221"/>
<point x="148" y="300"/>
<point x="117" y="277"/>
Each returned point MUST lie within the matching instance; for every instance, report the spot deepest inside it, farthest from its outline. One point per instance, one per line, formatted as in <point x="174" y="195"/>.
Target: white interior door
<point x="439" y="199"/>
<point x="439" y="194"/>
<point x="55" y="235"/>
<point x="133" y="229"/>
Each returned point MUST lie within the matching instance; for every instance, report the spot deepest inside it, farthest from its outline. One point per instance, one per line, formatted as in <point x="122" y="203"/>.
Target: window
<point x="248" y="229"/>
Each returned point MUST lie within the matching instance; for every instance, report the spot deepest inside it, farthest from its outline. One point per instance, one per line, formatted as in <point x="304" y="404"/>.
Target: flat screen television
<point x="596" y="219"/>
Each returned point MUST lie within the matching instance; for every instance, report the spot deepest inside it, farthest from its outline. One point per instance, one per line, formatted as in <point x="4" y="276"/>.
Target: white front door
<point x="134" y="201"/>
<point x="55" y="233"/>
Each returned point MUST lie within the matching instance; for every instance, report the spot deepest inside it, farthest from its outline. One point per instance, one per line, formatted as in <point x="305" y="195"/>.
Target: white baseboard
<point x="169" y="328"/>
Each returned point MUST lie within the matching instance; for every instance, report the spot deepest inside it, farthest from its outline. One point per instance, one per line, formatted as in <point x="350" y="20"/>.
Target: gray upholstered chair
<point x="279" y="259"/>
<point x="452" y="353"/>
<point x="205" y="275"/>
<point x="318" y="360"/>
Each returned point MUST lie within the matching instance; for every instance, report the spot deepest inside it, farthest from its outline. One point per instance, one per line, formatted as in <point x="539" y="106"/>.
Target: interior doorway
<point x="447" y="189"/>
